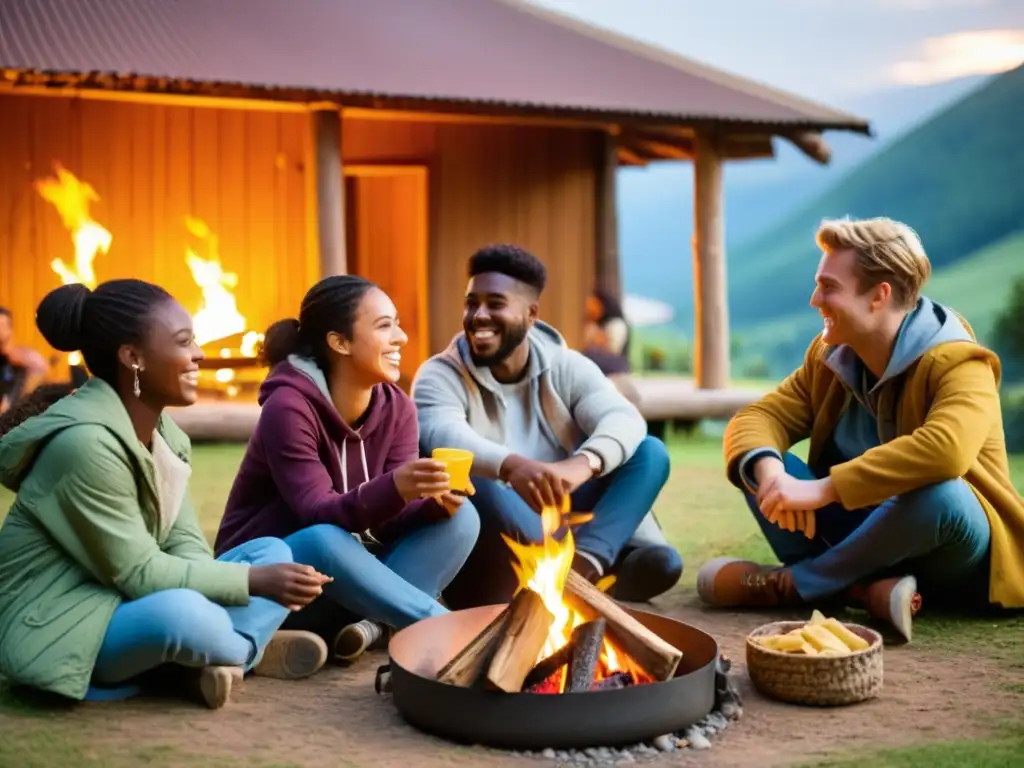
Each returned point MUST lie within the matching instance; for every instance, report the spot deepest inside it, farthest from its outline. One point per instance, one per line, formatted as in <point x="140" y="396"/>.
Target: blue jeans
<point x="939" y="534"/>
<point x="618" y="500"/>
<point x="398" y="588"/>
<point x="180" y="626"/>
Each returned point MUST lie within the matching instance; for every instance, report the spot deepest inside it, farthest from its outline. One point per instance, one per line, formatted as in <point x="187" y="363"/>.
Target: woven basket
<point x="815" y="680"/>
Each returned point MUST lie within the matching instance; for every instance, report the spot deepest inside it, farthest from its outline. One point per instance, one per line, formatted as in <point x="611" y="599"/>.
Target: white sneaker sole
<point x="901" y="606"/>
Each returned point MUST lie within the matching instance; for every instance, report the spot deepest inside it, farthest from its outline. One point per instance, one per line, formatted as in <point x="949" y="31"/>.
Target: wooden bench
<point x="661" y="400"/>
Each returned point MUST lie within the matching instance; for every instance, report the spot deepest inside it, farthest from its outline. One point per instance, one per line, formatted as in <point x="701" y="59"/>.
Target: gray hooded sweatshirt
<point x="563" y="404"/>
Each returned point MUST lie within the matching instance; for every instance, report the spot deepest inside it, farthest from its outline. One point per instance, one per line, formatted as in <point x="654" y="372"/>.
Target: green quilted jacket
<point x="84" y="534"/>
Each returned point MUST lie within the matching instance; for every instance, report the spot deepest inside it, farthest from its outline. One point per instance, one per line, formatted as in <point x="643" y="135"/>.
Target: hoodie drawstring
<point x="344" y="463"/>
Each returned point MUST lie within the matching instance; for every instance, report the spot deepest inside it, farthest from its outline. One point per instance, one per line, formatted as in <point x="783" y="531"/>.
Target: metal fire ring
<point x="535" y="720"/>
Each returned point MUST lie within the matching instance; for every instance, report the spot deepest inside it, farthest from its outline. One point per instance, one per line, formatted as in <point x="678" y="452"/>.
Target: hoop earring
<point x="136" y="389"/>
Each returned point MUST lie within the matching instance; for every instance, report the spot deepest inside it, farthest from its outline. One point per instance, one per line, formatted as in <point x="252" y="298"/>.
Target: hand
<point x="420" y="478"/>
<point x="290" y="584"/>
<point x="450" y="501"/>
<point x="766" y="468"/>
<point x="574" y="472"/>
<point x="539" y="484"/>
<point x="790" y="503"/>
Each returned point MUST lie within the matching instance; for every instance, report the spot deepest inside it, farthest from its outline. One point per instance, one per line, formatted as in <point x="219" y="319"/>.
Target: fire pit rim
<point x="529" y="720"/>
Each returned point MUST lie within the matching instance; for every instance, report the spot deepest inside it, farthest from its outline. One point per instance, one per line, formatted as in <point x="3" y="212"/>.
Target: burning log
<point x="656" y="657"/>
<point x="547" y="666"/>
<point x="613" y="682"/>
<point x="469" y="665"/>
<point x="522" y="640"/>
<point x="584" y="654"/>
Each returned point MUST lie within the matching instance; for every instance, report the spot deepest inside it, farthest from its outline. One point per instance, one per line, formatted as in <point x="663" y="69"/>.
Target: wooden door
<point x="386" y="232"/>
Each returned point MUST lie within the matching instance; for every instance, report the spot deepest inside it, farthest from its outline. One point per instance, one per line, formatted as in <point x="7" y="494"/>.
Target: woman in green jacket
<point x="105" y="576"/>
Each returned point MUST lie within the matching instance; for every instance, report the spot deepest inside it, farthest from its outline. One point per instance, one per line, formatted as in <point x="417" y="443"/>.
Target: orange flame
<point x="543" y="568"/>
<point x="71" y="198"/>
<point x="218" y="316"/>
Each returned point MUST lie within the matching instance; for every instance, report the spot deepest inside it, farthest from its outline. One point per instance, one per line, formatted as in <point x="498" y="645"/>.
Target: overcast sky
<point x="831" y="50"/>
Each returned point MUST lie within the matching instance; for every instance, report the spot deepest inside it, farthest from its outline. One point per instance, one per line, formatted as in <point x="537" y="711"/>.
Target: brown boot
<point x="894" y="601"/>
<point x="730" y="583"/>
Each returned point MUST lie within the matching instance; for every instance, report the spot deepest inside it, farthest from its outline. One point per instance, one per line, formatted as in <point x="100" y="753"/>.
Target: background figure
<point x="21" y="368"/>
<point x="607" y="333"/>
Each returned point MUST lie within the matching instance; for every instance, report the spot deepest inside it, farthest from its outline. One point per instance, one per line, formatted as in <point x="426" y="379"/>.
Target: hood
<point x="545" y="343"/>
<point x="95" y="402"/>
<point x="925" y="327"/>
<point x="304" y="376"/>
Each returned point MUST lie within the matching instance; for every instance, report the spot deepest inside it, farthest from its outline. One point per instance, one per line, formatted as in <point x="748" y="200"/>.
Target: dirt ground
<point x="336" y="718"/>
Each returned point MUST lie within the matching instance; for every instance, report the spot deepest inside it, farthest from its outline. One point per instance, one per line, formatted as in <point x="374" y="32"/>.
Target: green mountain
<point x="977" y="286"/>
<point x="957" y="179"/>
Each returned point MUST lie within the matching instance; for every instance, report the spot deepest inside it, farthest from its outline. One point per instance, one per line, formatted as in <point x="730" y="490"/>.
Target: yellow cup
<point x="458" y="463"/>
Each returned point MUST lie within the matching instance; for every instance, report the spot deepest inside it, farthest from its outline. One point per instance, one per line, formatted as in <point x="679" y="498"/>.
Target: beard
<point x="511" y="338"/>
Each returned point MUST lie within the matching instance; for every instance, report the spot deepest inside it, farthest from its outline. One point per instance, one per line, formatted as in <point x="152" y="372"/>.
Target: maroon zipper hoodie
<point x="305" y="466"/>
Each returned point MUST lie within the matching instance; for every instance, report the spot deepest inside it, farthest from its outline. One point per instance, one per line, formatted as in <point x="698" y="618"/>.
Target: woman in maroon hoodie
<point x="333" y="469"/>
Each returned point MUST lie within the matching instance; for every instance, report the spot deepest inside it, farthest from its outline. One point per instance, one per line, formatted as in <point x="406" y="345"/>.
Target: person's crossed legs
<point x="936" y="537"/>
<point x="618" y="501"/>
<point x="182" y="627"/>
<point x="397" y="588"/>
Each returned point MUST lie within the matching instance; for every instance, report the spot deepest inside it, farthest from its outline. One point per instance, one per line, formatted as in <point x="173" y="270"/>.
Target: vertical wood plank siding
<point x="244" y="173"/>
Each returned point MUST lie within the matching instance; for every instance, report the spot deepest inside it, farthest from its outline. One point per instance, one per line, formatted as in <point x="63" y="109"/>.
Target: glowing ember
<point x="543" y="568"/>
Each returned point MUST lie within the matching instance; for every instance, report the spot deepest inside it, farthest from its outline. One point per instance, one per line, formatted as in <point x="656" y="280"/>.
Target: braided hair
<point x="98" y="322"/>
<point x="329" y="306"/>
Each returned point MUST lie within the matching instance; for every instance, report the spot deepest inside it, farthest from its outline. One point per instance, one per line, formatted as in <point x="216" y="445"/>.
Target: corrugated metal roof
<point x="502" y="52"/>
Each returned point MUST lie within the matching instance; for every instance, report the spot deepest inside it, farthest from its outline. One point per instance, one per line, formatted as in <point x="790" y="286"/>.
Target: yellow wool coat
<point x="948" y="425"/>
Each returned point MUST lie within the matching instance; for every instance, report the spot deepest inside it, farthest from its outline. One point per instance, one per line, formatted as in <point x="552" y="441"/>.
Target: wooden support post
<point x="607" y="241"/>
<point x="711" y="332"/>
<point x="329" y="207"/>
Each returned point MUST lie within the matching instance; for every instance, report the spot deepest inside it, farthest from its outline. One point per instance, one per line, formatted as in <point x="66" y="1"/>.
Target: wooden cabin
<point x="281" y="141"/>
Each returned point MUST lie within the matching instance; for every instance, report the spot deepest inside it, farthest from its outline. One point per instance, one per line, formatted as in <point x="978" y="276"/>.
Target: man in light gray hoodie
<point x="542" y="421"/>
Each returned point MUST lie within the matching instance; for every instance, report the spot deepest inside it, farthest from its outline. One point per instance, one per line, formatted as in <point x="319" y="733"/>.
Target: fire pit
<point x="562" y="666"/>
<point x="568" y="720"/>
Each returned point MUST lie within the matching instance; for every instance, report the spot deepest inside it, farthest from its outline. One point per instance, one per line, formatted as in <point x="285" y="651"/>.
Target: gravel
<point x="727" y="710"/>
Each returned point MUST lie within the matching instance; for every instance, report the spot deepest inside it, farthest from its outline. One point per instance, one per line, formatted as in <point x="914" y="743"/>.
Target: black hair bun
<point x="59" y="316"/>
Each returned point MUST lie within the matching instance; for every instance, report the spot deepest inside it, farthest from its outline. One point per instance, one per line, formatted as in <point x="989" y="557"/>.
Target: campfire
<point x="221" y="330"/>
<point x="560" y="634"/>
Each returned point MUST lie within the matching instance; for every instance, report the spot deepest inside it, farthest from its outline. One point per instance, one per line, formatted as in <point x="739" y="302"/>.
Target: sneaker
<point x="894" y="601"/>
<point x="646" y="572"/>
<point x="727" y="582"/>
<point x="215" y="684"/>
<point x="356" y="639"/>
<point x="588" y="566"/>
<point x="292" y="654"/>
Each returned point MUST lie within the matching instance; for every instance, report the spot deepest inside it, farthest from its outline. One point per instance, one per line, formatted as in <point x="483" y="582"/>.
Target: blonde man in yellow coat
<point x="906" y="492"/>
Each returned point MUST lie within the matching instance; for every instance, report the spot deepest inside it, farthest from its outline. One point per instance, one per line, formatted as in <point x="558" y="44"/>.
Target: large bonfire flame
<point x="543" y="568"/>
<point x="218" y="316"/>
<point x="71" y="198"/>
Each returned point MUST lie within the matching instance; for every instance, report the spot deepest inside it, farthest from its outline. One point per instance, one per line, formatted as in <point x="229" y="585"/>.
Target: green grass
<point x="703" y="516"/>
<point x="997" y="752"/>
